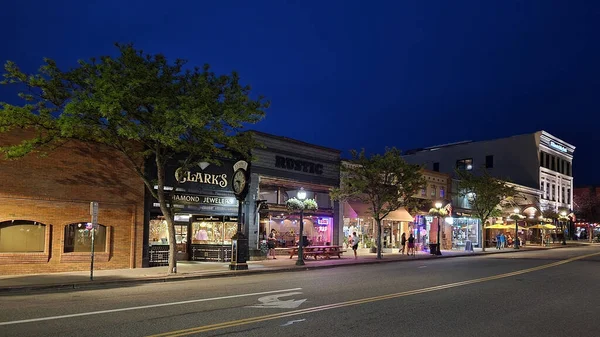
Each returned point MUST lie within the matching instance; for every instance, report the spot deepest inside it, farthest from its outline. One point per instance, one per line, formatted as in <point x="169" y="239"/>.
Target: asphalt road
<point x="535" y="293"/>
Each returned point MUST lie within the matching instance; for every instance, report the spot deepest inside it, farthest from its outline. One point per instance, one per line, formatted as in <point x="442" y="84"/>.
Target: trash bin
<point x="432" y="248"/>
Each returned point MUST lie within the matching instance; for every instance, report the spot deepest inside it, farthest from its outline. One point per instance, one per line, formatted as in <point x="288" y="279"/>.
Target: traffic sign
<point x="94" y="211"/>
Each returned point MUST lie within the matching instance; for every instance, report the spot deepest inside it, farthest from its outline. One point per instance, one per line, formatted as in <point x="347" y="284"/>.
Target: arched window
<point x="22" y="236"/>
<point x="78" y="238"/>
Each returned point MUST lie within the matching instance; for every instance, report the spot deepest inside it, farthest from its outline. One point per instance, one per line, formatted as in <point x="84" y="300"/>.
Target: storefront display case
<point x="464" y="230"/>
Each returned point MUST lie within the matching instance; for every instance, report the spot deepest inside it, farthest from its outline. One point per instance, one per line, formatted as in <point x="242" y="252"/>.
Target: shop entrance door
<point x="181" y="242"/>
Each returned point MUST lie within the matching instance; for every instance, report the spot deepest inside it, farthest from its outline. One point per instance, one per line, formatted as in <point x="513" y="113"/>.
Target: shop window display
<point x="213" y="232"/>
<point x="318" y="230"/>
<point x="463" y="230"/>
<point x="420" y="230"/>
<point x="22" y="236"/>
<point x="78" y="238"/>
<point x="159" y="233"/>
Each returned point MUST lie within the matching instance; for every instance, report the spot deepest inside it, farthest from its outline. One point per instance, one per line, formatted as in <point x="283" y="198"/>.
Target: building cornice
<point x="549" y="137"/>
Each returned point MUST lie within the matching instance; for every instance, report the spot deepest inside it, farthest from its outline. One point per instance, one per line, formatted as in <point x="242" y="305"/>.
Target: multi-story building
<point x="540" y="163"/>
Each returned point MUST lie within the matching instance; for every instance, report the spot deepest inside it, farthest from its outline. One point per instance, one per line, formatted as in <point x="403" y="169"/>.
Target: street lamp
<point x="564" y="217"/>
<point x="438" y="206"/>
<point x="301" y="196"/>
<point x="516" y="211"/>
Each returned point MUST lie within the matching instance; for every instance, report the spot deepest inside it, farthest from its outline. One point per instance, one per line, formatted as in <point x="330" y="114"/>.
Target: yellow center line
<point x="252" y="320"/>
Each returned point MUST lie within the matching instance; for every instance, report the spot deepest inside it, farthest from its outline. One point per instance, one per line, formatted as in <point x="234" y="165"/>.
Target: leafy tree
<point x="384" y="182"/>
<point x="486" y="195"/>
<point x="587" y="206"/>
<point x="139" y="104"/>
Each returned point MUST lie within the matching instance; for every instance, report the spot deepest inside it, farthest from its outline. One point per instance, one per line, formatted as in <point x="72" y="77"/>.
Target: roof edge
<point x="292" y="140"/>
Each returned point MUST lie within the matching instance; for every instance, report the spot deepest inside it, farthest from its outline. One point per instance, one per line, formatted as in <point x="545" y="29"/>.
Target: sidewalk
<point x="192" y="269"/>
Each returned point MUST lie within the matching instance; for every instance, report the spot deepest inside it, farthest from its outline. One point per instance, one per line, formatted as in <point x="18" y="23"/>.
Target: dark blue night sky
<point x="351" y="74"/>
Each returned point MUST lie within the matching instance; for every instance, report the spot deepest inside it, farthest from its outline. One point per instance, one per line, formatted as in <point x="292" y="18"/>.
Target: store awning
<point x="401" y="214"/>
<point x="349" y="212"/>
<point x="364" y="211"/>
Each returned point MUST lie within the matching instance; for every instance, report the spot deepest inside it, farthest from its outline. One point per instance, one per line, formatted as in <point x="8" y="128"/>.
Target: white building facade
<point x="539" y="162"/>
<point x="556" y="172"/>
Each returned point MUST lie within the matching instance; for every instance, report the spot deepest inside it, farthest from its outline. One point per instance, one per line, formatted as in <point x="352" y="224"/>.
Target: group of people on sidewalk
<point x="411" y="244"/>
<point x="353" y="241"/>
<point x="502" y="241"/>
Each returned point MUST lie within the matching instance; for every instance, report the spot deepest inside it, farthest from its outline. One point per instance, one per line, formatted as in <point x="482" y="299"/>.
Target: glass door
<point x="181" y="240"/>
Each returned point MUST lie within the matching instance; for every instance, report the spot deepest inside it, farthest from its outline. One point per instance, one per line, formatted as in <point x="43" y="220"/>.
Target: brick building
<point x="45" y="210"/>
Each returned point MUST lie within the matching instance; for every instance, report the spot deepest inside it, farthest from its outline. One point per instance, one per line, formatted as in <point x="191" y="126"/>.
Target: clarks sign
<point x="202" y="177"/>
<point x="298" y="165"/>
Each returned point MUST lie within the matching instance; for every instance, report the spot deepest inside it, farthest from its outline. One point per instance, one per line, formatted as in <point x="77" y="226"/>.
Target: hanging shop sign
<point x="212" y="218"/>
<point x="193" y="199"/>
<point x="298" y="165"/>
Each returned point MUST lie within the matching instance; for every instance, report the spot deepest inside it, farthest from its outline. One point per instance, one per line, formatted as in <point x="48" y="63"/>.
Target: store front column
<point x="338" y="224"/>
<point x="252" y="219"/>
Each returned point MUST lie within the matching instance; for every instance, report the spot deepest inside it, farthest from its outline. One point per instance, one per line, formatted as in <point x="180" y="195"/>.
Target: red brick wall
<point x="56" y="190"/>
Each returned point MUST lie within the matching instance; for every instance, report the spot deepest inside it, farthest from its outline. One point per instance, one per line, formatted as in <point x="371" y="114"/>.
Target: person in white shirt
<point x="354" y="242"/>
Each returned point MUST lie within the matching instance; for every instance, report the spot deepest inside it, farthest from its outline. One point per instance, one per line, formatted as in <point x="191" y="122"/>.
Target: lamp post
<point x="301" y="196"/>
<point x="438" y="206"/>
<point x="563" y="215"/>
<point x="516" y="211"/>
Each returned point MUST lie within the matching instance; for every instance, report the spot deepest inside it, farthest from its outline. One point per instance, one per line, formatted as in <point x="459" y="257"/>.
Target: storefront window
<point x="181" y="234"/>
<point x="269" y="194"/>
<point x="213" y="232"/>
<point x="421" y="228"/>
<point x="317" y="229"/>
<point x="464" y="229"/>
<point x="22" y="236"/>
<point x="78" y="238"/>
<point x="159" y="234"/>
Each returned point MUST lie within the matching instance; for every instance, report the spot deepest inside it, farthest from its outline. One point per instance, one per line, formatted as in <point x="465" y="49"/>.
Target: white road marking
<point x="141" y="307"/>
<point x="293" y="321"/>
<point x="272" y="301"/>
<point x="422" y="266"/>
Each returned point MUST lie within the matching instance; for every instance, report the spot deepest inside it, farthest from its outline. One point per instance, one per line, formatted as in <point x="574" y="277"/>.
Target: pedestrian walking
<point x="354" y="242"/>
<point x="271" y="243"/>
<point x="402" y="243"/>
<point x="411" y="245"/>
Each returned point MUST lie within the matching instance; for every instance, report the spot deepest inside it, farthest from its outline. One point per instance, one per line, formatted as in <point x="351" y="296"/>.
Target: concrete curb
<point x="204" y="275"/>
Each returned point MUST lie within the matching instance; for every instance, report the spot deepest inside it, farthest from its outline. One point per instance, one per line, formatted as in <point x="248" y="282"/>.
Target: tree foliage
<point x="587" y="206"/>
<point x="384" y="182"/>
<point x="486" y="194"/>
<point x="140" y="104"/>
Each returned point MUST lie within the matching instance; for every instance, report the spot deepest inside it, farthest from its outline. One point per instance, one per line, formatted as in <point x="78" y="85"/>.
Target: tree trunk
<point x="168" y="217"/>
<point x="483" y="235"/>
<point x="379" y="256"/>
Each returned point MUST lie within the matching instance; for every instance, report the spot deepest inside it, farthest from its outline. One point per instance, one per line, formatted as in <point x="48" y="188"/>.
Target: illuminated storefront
<point x="207" y="211"/>
<point x="318" y="230"/>
<point x="279" y="170"/>
<point x="205" y="218"/>
<point x="463" y="230"/>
